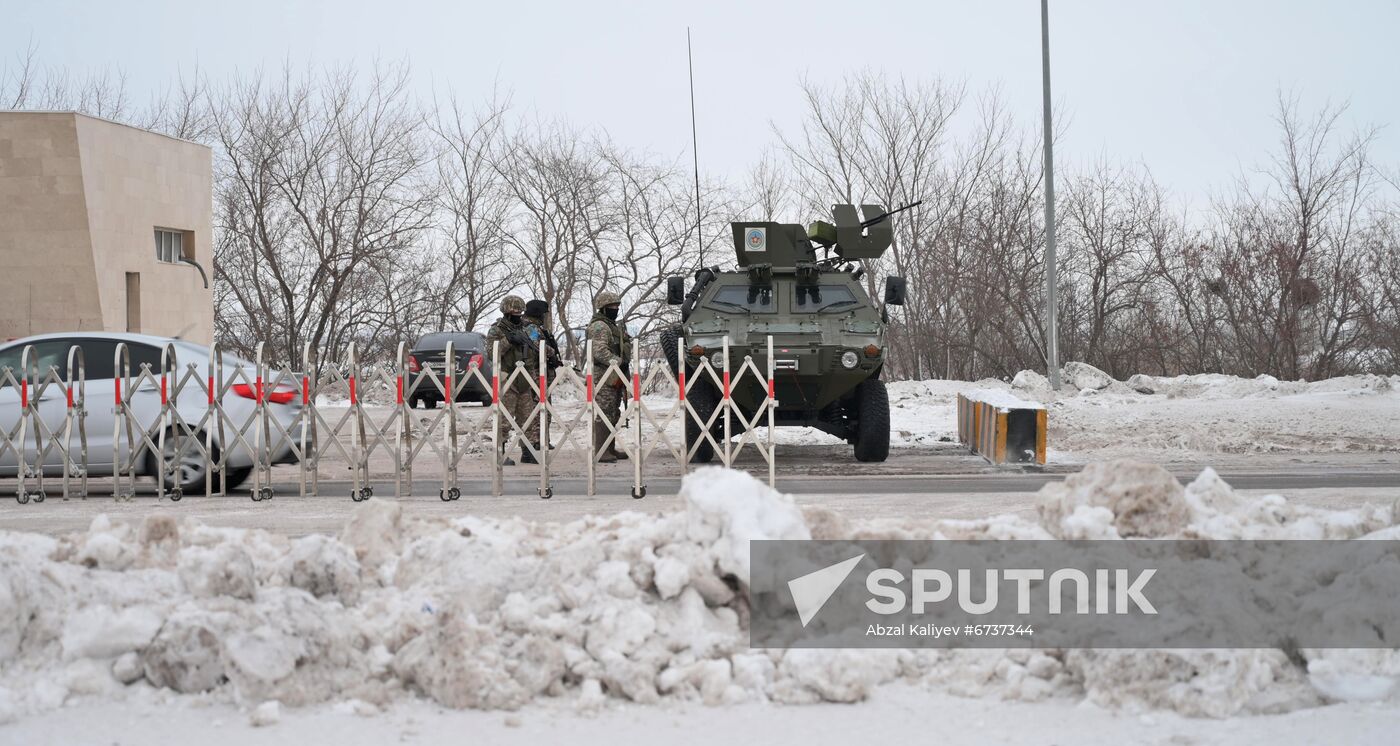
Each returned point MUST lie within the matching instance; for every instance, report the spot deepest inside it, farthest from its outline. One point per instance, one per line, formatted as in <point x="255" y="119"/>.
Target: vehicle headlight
<point x="717" y="360"/>
<point x="849" y="359"/>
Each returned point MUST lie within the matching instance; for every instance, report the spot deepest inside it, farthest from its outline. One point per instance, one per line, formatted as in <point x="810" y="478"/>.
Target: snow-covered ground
<point x="631" y="619"/>
<point x="896" y="713"/>
<point x="1184" y="418"/>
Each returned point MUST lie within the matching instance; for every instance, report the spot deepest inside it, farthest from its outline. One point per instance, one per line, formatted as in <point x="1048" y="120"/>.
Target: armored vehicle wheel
<point x="872" y="413"/>
<point x="670" y="340"/>
<point x="703" y="399"/>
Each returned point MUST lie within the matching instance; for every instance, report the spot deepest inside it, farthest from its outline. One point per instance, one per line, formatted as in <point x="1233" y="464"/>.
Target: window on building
<point x="169" y="245"/>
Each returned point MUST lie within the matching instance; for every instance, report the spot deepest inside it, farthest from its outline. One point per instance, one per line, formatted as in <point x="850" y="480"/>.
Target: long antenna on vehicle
<point x="694" y="145"/>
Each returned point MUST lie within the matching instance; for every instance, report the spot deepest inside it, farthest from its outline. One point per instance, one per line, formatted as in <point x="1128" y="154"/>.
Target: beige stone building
<point x="99" y="222"/>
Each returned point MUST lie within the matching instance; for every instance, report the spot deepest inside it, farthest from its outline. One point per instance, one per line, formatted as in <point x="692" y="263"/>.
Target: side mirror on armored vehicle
<point x="675" y="291"/>
<point x="894" y="291"/>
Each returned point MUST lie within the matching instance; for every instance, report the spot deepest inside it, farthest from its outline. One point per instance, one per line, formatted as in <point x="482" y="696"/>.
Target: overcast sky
<point x="1186" y="87"/>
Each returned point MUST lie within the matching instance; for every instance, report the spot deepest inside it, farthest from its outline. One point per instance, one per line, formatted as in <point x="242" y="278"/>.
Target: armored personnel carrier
<point x="804" y="287"/>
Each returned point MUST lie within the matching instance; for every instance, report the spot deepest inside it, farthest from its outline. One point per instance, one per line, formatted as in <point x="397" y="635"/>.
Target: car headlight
<point x="717" y="360"/>
<point x="849" y="359"/>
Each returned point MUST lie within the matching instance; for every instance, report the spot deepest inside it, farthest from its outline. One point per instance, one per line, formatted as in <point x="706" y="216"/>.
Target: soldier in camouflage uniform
<point x="518" y="398"/>
<point x="611" y="346"/>
<point x="536" y="313"/>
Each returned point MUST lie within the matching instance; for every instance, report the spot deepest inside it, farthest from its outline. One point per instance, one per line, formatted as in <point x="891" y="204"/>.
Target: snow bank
<point x="494" y="614"/>
<point x="1002" y="399"/>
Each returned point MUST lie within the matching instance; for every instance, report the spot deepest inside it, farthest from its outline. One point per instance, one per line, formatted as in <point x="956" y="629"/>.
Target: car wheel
<point x="872" y="403"/>
<point x="236" y="478"/>
<point x="186" y="473"/>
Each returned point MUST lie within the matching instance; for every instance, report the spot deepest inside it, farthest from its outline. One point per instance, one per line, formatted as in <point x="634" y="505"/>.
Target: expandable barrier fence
<point x="1001" y="428"/>
<point x="223" y="419"/>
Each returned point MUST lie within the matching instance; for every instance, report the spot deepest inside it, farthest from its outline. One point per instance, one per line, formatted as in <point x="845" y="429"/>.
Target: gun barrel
<point x="897" y="210"/>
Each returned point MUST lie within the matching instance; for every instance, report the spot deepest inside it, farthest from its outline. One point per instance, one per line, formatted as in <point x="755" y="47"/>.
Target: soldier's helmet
<point x="512" y="304"/>
<point x="537" y="309"/>
<point x="606" y="298"/>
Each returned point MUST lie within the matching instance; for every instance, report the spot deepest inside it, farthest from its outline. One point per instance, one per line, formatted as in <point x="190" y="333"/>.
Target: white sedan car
<point x="143" y="397"/>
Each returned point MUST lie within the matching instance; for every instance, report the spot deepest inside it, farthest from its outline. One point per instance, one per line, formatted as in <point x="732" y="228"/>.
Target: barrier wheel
<point x="368" y="493"/>
<point x="265" y="493"/>
<point x="39" y="496"/>
<point x="454" y="493"/>
<point x="639" y="492"/>
<point x="442" y="495"/>
<point x="176" y="494"/>
<point x="22" y="497"/>
<point x="546" y="493"/>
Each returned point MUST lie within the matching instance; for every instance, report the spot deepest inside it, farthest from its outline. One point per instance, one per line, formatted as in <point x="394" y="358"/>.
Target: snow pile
<point x="494" y="614"/>
<point x="1085" y="377"/>
<point x="1128" y="499"/>
<point x="1094" y="417"/>
<point x="1002" y="399"/>
<point x="1217" y="386"/>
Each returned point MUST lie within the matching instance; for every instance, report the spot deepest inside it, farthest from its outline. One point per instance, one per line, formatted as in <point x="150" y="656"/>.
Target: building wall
<point x="92" y="193"/>
<point x="47" y="279"/>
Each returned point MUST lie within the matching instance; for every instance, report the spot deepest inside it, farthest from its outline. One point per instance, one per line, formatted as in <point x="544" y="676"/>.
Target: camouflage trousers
<point x="608" y="397"/>
<point x="520" y="403"/>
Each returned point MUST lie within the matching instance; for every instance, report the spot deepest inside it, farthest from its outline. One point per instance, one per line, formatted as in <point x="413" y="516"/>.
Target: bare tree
<point x="346" y="211"/>
<point x="1289" y="253"/>
<point x="322" y="197"/>
<point x="559" y="182"/>
<point x="475" y="267"/>
<point x="31" y="85"/>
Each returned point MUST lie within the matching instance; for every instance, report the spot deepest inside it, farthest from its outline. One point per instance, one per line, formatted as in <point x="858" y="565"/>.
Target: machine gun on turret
<point x="879" y="218"/>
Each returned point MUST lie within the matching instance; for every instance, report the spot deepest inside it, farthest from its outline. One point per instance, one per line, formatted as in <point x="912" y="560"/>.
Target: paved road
<point x="928" y="484"/>
<point x="902" y="498"/>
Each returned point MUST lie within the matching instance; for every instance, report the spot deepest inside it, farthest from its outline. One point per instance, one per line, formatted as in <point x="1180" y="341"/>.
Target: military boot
<point x="600" y="434"/>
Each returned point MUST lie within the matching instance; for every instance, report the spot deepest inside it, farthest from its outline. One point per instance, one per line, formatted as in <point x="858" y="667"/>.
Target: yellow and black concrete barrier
<point x="1001" y="427"/>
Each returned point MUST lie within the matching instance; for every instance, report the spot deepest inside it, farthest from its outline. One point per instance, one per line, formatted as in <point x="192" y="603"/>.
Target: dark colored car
<point x="431" y="354"/>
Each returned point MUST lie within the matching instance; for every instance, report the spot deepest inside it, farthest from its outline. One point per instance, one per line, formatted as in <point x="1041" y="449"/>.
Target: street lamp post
<point x="1051" y="309"/>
